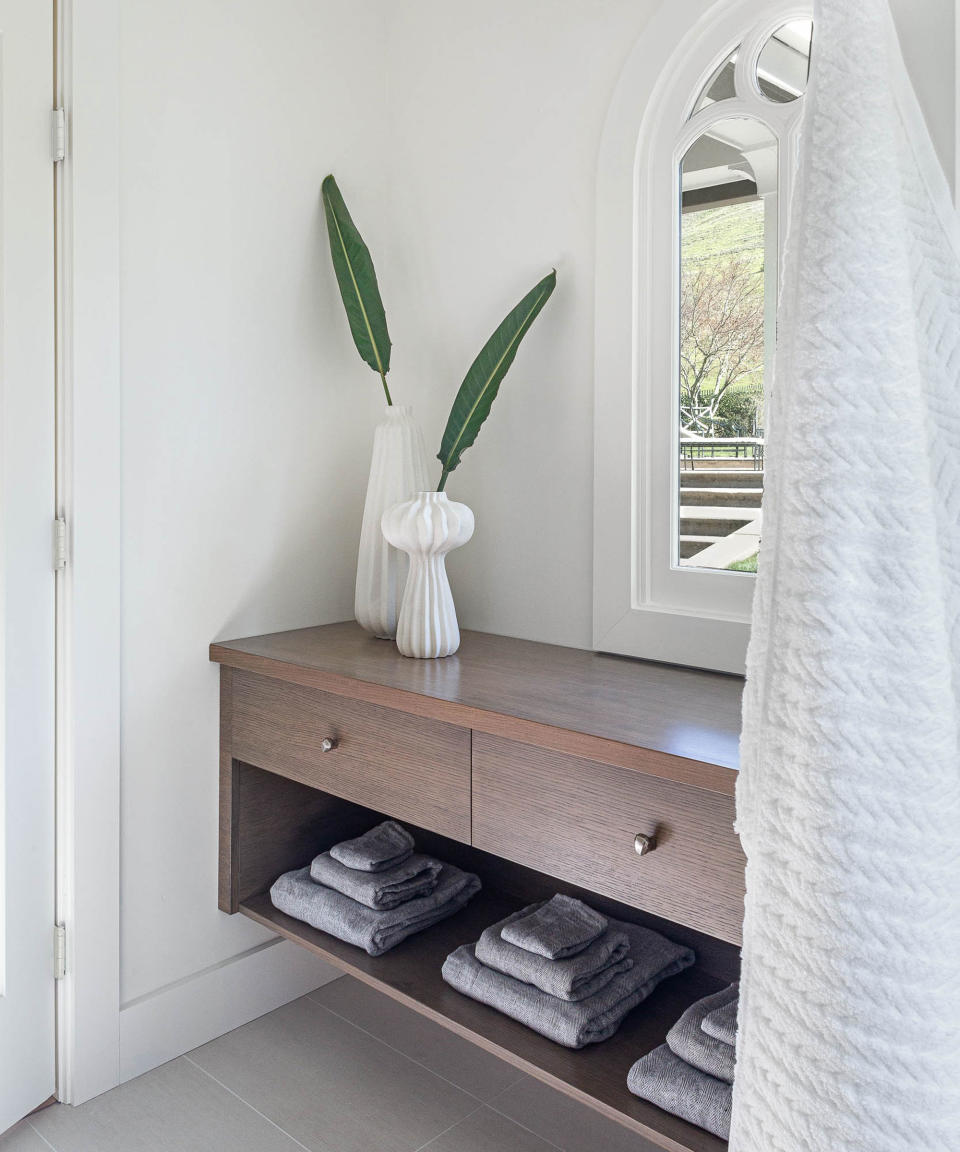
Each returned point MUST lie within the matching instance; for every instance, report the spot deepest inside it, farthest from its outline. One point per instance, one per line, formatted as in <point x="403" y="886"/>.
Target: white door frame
<point x="88" y="593"/>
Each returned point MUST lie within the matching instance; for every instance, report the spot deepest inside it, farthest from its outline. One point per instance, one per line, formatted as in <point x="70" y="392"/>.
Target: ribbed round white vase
<point x="398" y="469"/>
<point x="426" y="528"/>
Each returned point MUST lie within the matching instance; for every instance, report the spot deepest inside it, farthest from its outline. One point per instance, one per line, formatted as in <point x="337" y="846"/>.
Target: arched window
<point x="697" y="167"/>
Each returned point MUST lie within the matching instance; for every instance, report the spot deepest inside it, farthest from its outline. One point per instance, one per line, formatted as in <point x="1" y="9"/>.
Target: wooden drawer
<point x="577" y="819"/>
<point x="410" y="768"/>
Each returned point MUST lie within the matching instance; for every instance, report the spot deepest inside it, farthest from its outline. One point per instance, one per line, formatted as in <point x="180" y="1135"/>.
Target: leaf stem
<point x="443" y="479"/>
<point x="383" y="380"/>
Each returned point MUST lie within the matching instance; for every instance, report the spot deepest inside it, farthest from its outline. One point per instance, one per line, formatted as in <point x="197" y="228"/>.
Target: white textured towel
<point x="848" y="801"/>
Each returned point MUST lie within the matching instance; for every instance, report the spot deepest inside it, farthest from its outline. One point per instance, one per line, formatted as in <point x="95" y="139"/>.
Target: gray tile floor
<point x="344" y="1069"/>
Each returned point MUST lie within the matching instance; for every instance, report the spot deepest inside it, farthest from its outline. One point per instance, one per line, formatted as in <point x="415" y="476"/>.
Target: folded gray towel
<point x="382" y="847"/>
<point x="665" y="1080"/>
<point x="416" y="876"/>
<point x="721" y="1023"/>
<point x="688" y="1040"/>
<point x="321" y="907"/>
<point x="558" y="928"/>
<point x="571" y="1024"/>
<point x="574" y="978"/>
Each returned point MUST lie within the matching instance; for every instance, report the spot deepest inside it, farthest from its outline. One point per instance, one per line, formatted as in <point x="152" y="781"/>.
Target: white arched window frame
<point x="645" y="603"/>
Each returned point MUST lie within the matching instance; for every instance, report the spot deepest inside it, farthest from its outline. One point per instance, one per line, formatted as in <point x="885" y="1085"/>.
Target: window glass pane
<point x="727" y="306"/>
<point x="720" y="86"/>
<point x="784" y="62"/>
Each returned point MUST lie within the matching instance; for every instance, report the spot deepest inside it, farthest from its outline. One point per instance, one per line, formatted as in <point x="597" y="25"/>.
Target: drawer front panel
<point x="577" y="820"/>
<point x="412" y="769"/>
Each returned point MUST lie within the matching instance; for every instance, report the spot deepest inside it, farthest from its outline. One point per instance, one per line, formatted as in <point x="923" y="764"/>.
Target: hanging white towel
<point x="848" y="802"/>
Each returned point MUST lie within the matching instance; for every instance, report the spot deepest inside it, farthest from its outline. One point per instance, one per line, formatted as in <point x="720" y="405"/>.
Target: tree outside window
<point x="722" y="321"/>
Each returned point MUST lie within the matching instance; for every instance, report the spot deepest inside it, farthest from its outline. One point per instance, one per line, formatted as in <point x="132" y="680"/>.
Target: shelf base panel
<point x="596" y="1075"/>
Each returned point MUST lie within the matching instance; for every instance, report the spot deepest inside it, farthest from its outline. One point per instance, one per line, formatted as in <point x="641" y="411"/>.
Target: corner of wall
<point x="173" y="1020"/>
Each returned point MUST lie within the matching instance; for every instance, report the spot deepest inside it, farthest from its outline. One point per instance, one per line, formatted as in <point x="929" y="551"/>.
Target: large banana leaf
<point x="482" y="382"/>
<point x="358" y="283"/>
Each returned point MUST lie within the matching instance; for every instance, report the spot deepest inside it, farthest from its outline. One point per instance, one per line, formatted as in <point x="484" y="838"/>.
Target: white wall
<point x="926" y="30"/>
<point x="465" y="138"/>
<point x="498" y="113"/>
<point x="246" y="411"/>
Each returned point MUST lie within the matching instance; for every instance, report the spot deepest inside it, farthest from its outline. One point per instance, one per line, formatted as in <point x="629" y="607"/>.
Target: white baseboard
<point x="173" y="1020"/>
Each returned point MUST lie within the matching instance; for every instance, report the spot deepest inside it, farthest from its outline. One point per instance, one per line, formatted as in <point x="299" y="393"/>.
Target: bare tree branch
<point x="721" y="336"/>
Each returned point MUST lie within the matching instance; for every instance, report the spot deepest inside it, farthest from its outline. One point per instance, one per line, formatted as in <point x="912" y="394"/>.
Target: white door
<point x="27" y="658"/>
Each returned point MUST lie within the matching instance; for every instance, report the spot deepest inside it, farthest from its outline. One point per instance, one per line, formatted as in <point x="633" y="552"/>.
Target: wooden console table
<point x="541" y="768"/>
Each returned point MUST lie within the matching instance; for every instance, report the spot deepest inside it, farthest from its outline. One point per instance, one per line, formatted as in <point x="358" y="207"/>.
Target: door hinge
<point x="59" y="544"/>
<point x="59" y="951"/>
<point x="58" y="134"/>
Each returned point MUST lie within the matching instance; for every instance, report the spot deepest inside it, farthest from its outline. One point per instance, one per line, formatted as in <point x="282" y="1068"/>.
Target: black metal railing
<point x="694" y="448"/>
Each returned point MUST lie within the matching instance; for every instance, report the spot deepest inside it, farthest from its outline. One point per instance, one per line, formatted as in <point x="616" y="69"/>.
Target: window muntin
<point x="721" y="85"/>
<point x="784" y="62"/>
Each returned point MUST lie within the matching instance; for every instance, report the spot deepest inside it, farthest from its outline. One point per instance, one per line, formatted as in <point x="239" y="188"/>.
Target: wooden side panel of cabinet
<point x="227" y="899"/>
<point x="282" y="825"/>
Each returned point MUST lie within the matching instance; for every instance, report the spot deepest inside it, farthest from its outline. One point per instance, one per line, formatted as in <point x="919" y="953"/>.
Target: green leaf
<point x="358" y="282"/>
<point x="482" y="382"/>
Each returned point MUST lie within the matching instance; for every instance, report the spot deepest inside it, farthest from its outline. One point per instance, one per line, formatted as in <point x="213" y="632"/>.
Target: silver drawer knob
<point x="327" y="744"/>
<point x="643" y="844"/>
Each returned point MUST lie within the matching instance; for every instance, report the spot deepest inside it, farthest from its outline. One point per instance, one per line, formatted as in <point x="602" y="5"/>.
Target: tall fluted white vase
<point x="426" y="528"/>
<point x="398" y="469"/>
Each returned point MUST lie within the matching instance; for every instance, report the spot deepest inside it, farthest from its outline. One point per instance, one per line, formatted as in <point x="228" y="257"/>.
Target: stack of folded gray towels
<point x="564" y="970"/>
<point x="692" y="1074"/>
<point x="375" y="890"/>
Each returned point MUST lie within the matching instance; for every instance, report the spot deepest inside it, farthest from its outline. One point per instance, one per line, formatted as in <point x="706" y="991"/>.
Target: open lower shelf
<point x="596" y="1075"/>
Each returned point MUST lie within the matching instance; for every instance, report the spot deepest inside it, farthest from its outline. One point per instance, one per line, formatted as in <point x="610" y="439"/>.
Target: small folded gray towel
<point x="570" y="1024"/>
<point x="321" y="907"/>
<point x="416" y="876"/>
<point x="688" y="1040"/>
<point x="721" y="1023"/>
<point x="574" y="978"/>
<point x="559" y="928"/>
<point x="667" y="1081"/>
<point x="382" y="847"/>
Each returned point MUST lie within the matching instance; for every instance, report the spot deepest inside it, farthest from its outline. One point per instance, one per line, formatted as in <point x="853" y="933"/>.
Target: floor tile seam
<point x="521" y="1076"/>
<point x="31" y="1124"/>
<point x="399" y="1052"/>
<point x="519" y="1123"/>
<point x="450" y="1128"/>
<point x="252" y="1107"/>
